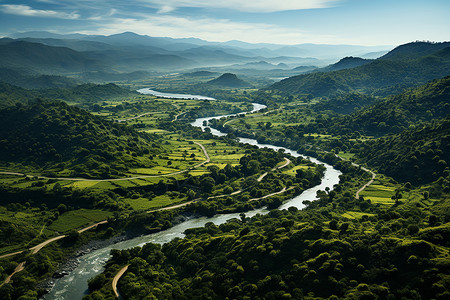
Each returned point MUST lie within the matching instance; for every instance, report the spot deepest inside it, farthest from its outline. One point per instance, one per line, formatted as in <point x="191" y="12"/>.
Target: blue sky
<point x="358" y="22"/>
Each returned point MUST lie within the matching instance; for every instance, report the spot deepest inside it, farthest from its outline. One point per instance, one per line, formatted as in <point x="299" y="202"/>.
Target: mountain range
<point x="128" y="52"/>
<point x="406" y="66"/>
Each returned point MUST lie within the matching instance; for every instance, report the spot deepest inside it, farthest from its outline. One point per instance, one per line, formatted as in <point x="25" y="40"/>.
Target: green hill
<point x="228" y="80"/>
<point x="65" y="140"/>
<point x="346" y="63"/>
<point x="418" y="155"/>
<point x="381" y="77"/>
<point x="88" y="93"/>
<point x="35" y="81"/>
<point x="414" y="50"/>
<point x="396" y="113"/>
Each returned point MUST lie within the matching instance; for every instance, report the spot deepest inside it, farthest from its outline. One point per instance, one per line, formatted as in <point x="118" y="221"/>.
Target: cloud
<point x="25" y="10"/>
<point x="210" y="29"/>
<point x="260" y="6"/>
<point x="165" y="9"/>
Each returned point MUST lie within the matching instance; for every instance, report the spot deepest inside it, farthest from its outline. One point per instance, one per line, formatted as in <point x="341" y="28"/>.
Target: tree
<point x="207" y="184"/>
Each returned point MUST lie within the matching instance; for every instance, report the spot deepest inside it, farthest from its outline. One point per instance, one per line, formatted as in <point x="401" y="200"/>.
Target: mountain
<point x="228" y="80"/>
<point x="346" y="63"/>
<point x="397" y="113"/>
<point x="58" y="137"/>
<point x="40" y="58"/>
<point x="201" y="74"/>
<point x="205" y="51"/>
<point x="304" y="69"/>
<point x="414" y="50"/>
<point x="382" y="76"/>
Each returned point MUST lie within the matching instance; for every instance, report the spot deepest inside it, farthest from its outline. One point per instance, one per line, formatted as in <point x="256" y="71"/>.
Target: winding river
<point x="74" y="285"/>
<point x="148" y="91"/>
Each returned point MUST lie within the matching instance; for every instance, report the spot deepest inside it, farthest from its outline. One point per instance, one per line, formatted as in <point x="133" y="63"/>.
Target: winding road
<point x="368" y="183"/>
<point x="116" y="279"/>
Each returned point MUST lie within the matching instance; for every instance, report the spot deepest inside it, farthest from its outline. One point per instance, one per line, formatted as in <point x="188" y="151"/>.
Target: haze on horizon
<point x="357" y="22"/>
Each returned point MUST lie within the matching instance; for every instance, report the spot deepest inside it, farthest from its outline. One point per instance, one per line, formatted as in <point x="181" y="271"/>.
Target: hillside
<point x="10" y="94"/>
<point x="346" y="63"/>
<point x="417" y="155"/>
<point x="45" y="59"/>
<point x="68" y="141"/>
<point x="396" y="113"/>
<point x="414" y="50"/>
<point x="228" y="80"/>
<point x="381" y="77"/>
<point x="88" y="93"/>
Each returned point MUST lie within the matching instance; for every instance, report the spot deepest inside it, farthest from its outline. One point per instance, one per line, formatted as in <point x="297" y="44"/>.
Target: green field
<point x="76" y="219"/>
<point x="355" y="214"/>
<point x="378" y="193"/>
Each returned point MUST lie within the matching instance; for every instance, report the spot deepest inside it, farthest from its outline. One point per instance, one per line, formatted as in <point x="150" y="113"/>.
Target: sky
<point x="354" y="22"/>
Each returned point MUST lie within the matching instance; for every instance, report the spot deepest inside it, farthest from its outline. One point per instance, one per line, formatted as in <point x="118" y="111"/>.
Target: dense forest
<point x="389" y="253"/>
<point x="54" y="135"/>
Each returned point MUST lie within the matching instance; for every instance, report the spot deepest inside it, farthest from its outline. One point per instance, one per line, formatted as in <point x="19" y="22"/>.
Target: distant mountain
<point x="304" y="68"/>
<point x="382" y="76"/>
<point x="228" y="80"/>
<point x="259" y="65"/>
<point x="201" y="74"/>
<point x="40" y="58"/>
<point x="237" y="51"/>
<point x="346" y="63"/>
<point x="373" y="55"/>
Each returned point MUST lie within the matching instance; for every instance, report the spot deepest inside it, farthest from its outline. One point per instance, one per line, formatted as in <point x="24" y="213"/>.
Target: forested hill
<point x="290" y="254"/>
<point x="63" y="138"/>
<point x="382" y="77"/>
<point x="418" y="155"/>
<point x="228" y="80"/>
<point x="414" y="50"/>
<point x="83" y="94"/>
<point x="10" y="94"/>
<point x="396" y="113"/>
<point x="88" y="93"/>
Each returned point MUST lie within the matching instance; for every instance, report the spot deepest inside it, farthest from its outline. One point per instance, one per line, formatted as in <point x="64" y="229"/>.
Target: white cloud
<point x="25" y="10"/>
<point x="205" y="28"/>
<point x="165" y="9"/>
<point x="263" y="6"/>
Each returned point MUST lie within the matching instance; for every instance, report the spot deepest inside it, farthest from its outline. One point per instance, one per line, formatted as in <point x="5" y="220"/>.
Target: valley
<point x="208" y="179"/>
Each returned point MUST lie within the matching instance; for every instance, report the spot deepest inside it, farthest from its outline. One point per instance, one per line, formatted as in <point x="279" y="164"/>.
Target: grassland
<point x="78" y="218"/>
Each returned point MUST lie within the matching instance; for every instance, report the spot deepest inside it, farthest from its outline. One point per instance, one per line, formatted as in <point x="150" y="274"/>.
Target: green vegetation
<point x="389" y="242"/>
<point x="324" y="251"/>
<point x="383" y="76"/>
<point x="64" y="140"/>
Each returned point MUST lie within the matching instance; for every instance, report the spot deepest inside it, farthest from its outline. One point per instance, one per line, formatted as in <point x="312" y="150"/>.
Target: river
<point x="74" y="285"/>
<point x="148" y="91"/>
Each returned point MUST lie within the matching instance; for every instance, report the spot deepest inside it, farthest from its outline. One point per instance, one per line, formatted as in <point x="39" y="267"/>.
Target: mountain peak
<point x="228" y="80"/>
